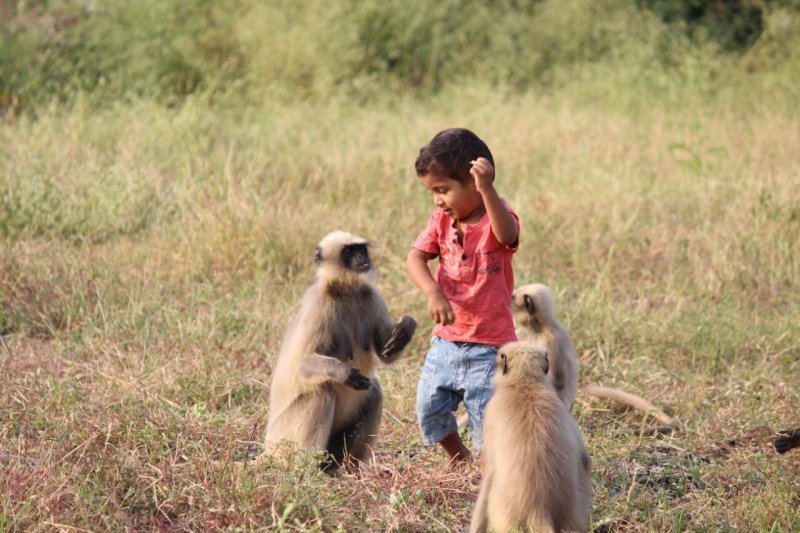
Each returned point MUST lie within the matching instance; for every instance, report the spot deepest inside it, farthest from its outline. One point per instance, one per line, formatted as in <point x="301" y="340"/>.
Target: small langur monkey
<point x="535" y="318"/>
<point x="325" y="394"/>
<point x="537" y="471"/>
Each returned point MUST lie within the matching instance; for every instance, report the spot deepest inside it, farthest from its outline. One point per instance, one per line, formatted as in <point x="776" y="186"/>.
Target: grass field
<point x="151" y="258"/>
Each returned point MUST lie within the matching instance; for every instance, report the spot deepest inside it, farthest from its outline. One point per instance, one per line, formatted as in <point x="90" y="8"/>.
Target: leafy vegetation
<point x="166" y="169"/>
<point x="246" y="49"/>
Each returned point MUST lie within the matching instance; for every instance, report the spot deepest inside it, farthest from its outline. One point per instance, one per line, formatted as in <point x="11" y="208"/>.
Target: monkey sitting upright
<point x="535" y="320"/>
<point x="537" y="470"/>
<point x="325" y="394"/>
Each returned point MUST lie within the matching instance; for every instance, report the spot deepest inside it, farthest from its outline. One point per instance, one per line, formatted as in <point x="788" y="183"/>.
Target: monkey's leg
<point x="317" y="414"/>
<point x="317" y="368"/>
<point x="307" y="421"/>
<point x="355" y="439"/>
<point x="539" y="523"/>
<point x="399" y="337"/>
<point x="480" y="516"/>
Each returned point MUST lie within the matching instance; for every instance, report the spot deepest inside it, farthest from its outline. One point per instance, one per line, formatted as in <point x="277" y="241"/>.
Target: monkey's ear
<point x="546" y="364"/>
<point x="505" y="363"/>
<point x="318" y="256"/>
<point x="529" y="305"/>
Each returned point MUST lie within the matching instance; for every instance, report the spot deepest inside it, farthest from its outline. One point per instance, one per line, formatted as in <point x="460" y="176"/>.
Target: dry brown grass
<point x="140" y="322"/>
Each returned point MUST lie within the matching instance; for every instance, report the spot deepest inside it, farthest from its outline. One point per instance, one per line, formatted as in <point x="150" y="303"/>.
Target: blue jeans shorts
<point x="454" y="372"/>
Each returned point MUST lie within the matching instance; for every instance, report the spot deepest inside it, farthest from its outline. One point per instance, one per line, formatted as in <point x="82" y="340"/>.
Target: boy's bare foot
<point x="463" y="468"/>
<point x="455" y="449"/>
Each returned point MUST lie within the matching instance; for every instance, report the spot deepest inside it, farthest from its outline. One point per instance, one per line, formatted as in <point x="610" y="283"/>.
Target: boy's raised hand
<point x="440" y="310"/>
<point x="482" y="172"/>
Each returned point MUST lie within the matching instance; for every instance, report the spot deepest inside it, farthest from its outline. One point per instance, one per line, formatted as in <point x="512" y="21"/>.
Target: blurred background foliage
<point x="250" y="50"/>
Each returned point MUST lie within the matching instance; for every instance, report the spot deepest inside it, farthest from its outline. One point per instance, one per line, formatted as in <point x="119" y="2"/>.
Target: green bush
<point x="253" y="50"/>
<point x="732" y="24"/>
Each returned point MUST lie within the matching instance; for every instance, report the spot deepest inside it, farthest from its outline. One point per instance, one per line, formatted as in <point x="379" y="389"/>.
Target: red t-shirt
<point x="476" y="278"/>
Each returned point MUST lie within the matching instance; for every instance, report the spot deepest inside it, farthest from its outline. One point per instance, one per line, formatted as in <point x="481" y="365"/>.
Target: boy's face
<point x="457" y="200"/>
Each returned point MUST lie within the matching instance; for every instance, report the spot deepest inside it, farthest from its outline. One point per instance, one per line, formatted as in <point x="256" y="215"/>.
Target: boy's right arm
<point x="438" y="306"/>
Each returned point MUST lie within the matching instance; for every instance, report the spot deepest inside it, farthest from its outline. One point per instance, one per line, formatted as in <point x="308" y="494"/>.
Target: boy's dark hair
<point x="449" y="153"/>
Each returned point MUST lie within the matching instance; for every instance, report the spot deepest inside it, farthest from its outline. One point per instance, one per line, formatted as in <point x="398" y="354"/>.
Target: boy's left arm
<point x="503" y="225"/>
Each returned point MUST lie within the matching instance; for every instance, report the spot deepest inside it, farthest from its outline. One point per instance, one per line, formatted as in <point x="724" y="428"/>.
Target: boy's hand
<point x="482" y="172"/>
<point x="440" y="310"/>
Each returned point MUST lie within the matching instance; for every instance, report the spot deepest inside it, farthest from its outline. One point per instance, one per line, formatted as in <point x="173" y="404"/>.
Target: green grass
<point x="151" y="258"/>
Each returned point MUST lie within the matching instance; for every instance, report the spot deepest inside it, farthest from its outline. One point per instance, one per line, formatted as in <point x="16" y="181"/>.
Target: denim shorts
<point x="454" y="372"/>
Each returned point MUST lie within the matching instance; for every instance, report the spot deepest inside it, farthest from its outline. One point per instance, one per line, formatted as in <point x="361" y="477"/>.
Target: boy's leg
<point x="437" y="398"/>
<point x="478" y="389"/>
<point x="454" y="447"/>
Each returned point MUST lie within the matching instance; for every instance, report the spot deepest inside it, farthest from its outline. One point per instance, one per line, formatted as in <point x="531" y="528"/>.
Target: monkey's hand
<point x="357" y="380"/>
<point x="401" y="334"/>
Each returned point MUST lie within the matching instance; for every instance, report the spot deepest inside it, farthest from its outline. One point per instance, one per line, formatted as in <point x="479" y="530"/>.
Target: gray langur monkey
<point x="535" y="319"/>
<point x="537" y="472"/>
<point x="325" y="393"/>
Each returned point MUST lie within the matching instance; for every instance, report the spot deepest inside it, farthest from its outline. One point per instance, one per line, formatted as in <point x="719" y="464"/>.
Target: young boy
<point x="474" y="233"/>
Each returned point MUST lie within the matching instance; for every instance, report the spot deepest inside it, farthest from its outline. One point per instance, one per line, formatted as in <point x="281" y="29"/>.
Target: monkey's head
<point x="521" y="361"/>
<point x="343" y="258"/>
<point x="532" y="306"/>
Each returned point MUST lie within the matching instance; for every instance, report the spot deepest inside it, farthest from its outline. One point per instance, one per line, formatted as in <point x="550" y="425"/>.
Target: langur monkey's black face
<point x="355" y="257"/>
<point x="504" y="363"/>
<point x="530" y="305"/>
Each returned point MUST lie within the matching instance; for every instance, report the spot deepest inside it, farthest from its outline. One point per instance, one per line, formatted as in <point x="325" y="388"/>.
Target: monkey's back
<point x="539" y="462"/>
<point x="563" y="361"/>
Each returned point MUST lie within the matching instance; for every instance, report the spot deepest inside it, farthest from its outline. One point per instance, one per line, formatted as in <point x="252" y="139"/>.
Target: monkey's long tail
<point x="626" y="398"/>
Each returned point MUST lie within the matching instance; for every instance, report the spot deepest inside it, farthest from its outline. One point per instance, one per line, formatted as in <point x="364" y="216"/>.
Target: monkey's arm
<point x="399" y="337"/>
<point x="317" y="368"/>
<point x="637" y="402"/>
<point x="480" y="518"/>
<point x="787" y="439"/>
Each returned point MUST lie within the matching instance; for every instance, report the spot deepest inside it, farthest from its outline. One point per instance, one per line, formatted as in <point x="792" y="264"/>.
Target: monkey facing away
<point x="537" y="470"/>
<point x="325" y="393"/>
